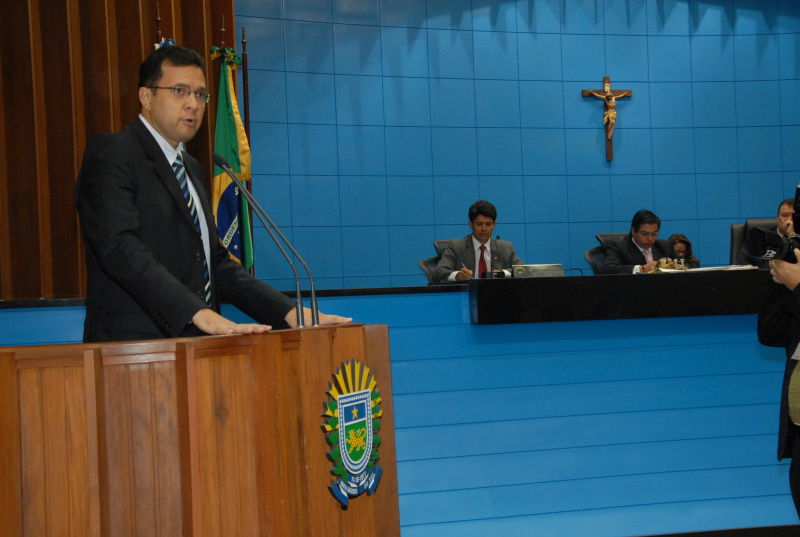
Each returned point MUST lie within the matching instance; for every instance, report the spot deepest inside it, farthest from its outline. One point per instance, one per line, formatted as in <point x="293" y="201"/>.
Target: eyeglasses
<point x="182" y="93"/>
<point x="646" y="234"/>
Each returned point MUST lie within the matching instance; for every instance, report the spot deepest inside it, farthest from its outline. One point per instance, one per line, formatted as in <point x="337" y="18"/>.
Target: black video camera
<point x="765" y="244"/>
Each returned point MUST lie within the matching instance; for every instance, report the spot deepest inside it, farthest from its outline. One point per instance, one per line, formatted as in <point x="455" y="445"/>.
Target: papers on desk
<point x="710" y="269"/>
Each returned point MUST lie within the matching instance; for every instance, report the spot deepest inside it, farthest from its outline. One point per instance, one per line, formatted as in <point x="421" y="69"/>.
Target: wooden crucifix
<point x="609" y="97"/>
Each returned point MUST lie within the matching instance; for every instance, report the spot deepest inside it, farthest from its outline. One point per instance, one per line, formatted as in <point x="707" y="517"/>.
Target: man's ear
<point x="144" y="97"/>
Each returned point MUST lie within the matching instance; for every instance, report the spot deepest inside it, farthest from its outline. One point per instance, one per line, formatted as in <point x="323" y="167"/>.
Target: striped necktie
<point x="183" y="181"/>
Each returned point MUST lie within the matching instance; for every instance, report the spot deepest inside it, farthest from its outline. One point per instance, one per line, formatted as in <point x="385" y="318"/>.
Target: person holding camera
<point x="779" y="326"/>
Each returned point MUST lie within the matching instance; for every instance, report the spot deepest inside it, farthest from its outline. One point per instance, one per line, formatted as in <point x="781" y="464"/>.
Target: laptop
<point x="538" y="271"/>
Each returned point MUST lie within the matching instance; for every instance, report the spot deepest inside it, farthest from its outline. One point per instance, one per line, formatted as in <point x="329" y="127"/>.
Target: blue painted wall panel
<point x="588" y="428"/>
<point x="487" y="90"/>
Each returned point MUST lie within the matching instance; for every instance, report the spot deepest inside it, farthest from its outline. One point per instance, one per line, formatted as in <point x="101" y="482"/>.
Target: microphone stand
<point x="262" y="215"/>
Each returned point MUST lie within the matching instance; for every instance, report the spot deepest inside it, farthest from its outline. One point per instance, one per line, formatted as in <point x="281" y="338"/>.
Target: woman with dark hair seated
<point x="682" y="249"/>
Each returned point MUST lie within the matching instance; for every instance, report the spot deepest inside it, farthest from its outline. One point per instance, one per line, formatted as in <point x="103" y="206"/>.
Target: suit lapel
<point x="163" y="171"/>
<point x="636" y="253"/>
<point x="470" y="254"/>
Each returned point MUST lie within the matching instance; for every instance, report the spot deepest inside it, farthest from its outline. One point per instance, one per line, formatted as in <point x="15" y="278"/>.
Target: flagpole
<point x="158" y="25"/>
<point x="245" y="88"/>
<point x="246" y="98"/>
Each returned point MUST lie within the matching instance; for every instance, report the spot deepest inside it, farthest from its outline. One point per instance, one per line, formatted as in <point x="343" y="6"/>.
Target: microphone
<point x="491" y="261"/>
<point x="262" y="215"/>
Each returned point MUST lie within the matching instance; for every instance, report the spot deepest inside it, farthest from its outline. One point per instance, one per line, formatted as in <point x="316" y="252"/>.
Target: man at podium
<point x="156" y="266"/>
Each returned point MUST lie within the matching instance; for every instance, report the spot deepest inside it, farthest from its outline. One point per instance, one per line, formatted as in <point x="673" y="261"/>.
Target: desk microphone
<point x="492" y="273"/>
<point x="262" y="215"/>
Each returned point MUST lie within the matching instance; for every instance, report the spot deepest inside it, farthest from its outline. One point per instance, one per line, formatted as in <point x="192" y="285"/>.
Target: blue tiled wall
<point x="376" y="123"/>
<point x="592" y="428"/>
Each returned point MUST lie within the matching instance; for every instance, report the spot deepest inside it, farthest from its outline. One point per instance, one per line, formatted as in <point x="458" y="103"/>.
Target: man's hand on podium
<point x="324" y="319"/>
<point x="213" y="323"/>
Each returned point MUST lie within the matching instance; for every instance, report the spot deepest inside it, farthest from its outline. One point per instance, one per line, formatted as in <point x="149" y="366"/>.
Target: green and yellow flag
<point x="230" y="141"/>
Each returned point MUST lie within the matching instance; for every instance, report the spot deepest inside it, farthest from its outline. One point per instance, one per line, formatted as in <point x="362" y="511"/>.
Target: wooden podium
<point x="214" y="436"/>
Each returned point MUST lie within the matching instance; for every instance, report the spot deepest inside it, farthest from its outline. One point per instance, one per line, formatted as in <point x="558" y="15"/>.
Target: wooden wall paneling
<point x="118" y="450"/>
<point x="376" y="515"/>
<point x="385" y="498"/>
<point x="97" y="475"/>
<point x="247" y="447"/>
<point x="272" y="512"/>
<point x="187" y="406"/>
<point x="5" y="235"/>
<point x="132" y="47"/>
<point x="10" y="448"/>
<point x="19" y="91"/>
<point x="318" y="348"/>
<point x="292" y="482"/>
<point x="60" y="236"/>
<point x="39" y="31"/>
<point x="74" y="453"/>
<point x="207" y="451"/>
<point x="79" y="142"/>
<point x="34" y="480"/>
<point x="143" y="437"/>
<point x="232" y="420"/>
<point x="141" y="412"/>
<point x="97" y="110"/>
<point x="167" y="450"/>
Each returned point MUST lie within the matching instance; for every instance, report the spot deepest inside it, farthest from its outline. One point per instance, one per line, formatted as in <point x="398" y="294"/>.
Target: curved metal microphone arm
<point x="262" y="215"/>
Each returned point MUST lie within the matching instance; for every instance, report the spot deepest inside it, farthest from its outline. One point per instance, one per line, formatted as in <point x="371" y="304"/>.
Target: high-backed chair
<point x="441" y="245"/>
<point x="605" y="238"/>
<point x="739" y="234"/>
<point x="595" y="258"/>
<point x="428" y="265"/>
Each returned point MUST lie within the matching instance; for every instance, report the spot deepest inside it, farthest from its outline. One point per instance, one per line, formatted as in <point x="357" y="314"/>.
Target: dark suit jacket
<point x="623" y="255"/>
<point x="461" y="251"/>
<point x="779" y="326"/>
<point x="144" y="257"/>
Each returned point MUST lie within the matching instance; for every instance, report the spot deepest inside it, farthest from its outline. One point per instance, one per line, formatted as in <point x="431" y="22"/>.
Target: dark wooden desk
<point x="586" y="298"/>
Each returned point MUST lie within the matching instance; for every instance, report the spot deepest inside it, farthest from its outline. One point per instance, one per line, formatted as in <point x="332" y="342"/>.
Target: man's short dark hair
<point x="483" y="208"/>
<point x="789" y="202"/>
<point x="644" y="217"/>
<point x="150" y="71"/>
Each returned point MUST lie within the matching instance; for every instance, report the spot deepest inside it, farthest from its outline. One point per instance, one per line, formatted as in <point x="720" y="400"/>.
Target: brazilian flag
<point x="230" y="141"/>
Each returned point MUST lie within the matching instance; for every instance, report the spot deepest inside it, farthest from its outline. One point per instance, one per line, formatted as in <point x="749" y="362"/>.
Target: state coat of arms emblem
<point x="352" y="421"/>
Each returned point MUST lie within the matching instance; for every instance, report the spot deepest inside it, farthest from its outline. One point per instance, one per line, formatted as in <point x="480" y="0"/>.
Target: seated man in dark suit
<point x="639" y="251"/>
<point x="463" y="256"/>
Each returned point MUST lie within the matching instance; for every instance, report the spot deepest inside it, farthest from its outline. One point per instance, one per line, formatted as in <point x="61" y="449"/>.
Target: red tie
<point x="482" y="263"/>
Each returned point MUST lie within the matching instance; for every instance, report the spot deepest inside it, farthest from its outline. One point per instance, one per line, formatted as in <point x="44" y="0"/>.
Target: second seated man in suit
<point x="640" y="250"/>
<point x="462" y="258"/>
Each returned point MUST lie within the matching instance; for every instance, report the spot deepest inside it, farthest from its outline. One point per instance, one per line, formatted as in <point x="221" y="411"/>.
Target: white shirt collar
<point x="476" y="244"/>
<point x="170" y="152"/>
<point x="643" y="250"/>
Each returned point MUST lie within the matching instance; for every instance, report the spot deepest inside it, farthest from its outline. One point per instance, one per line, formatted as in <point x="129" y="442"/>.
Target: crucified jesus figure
<point x="610" y="117"/>
<point x="609" y="97"/>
